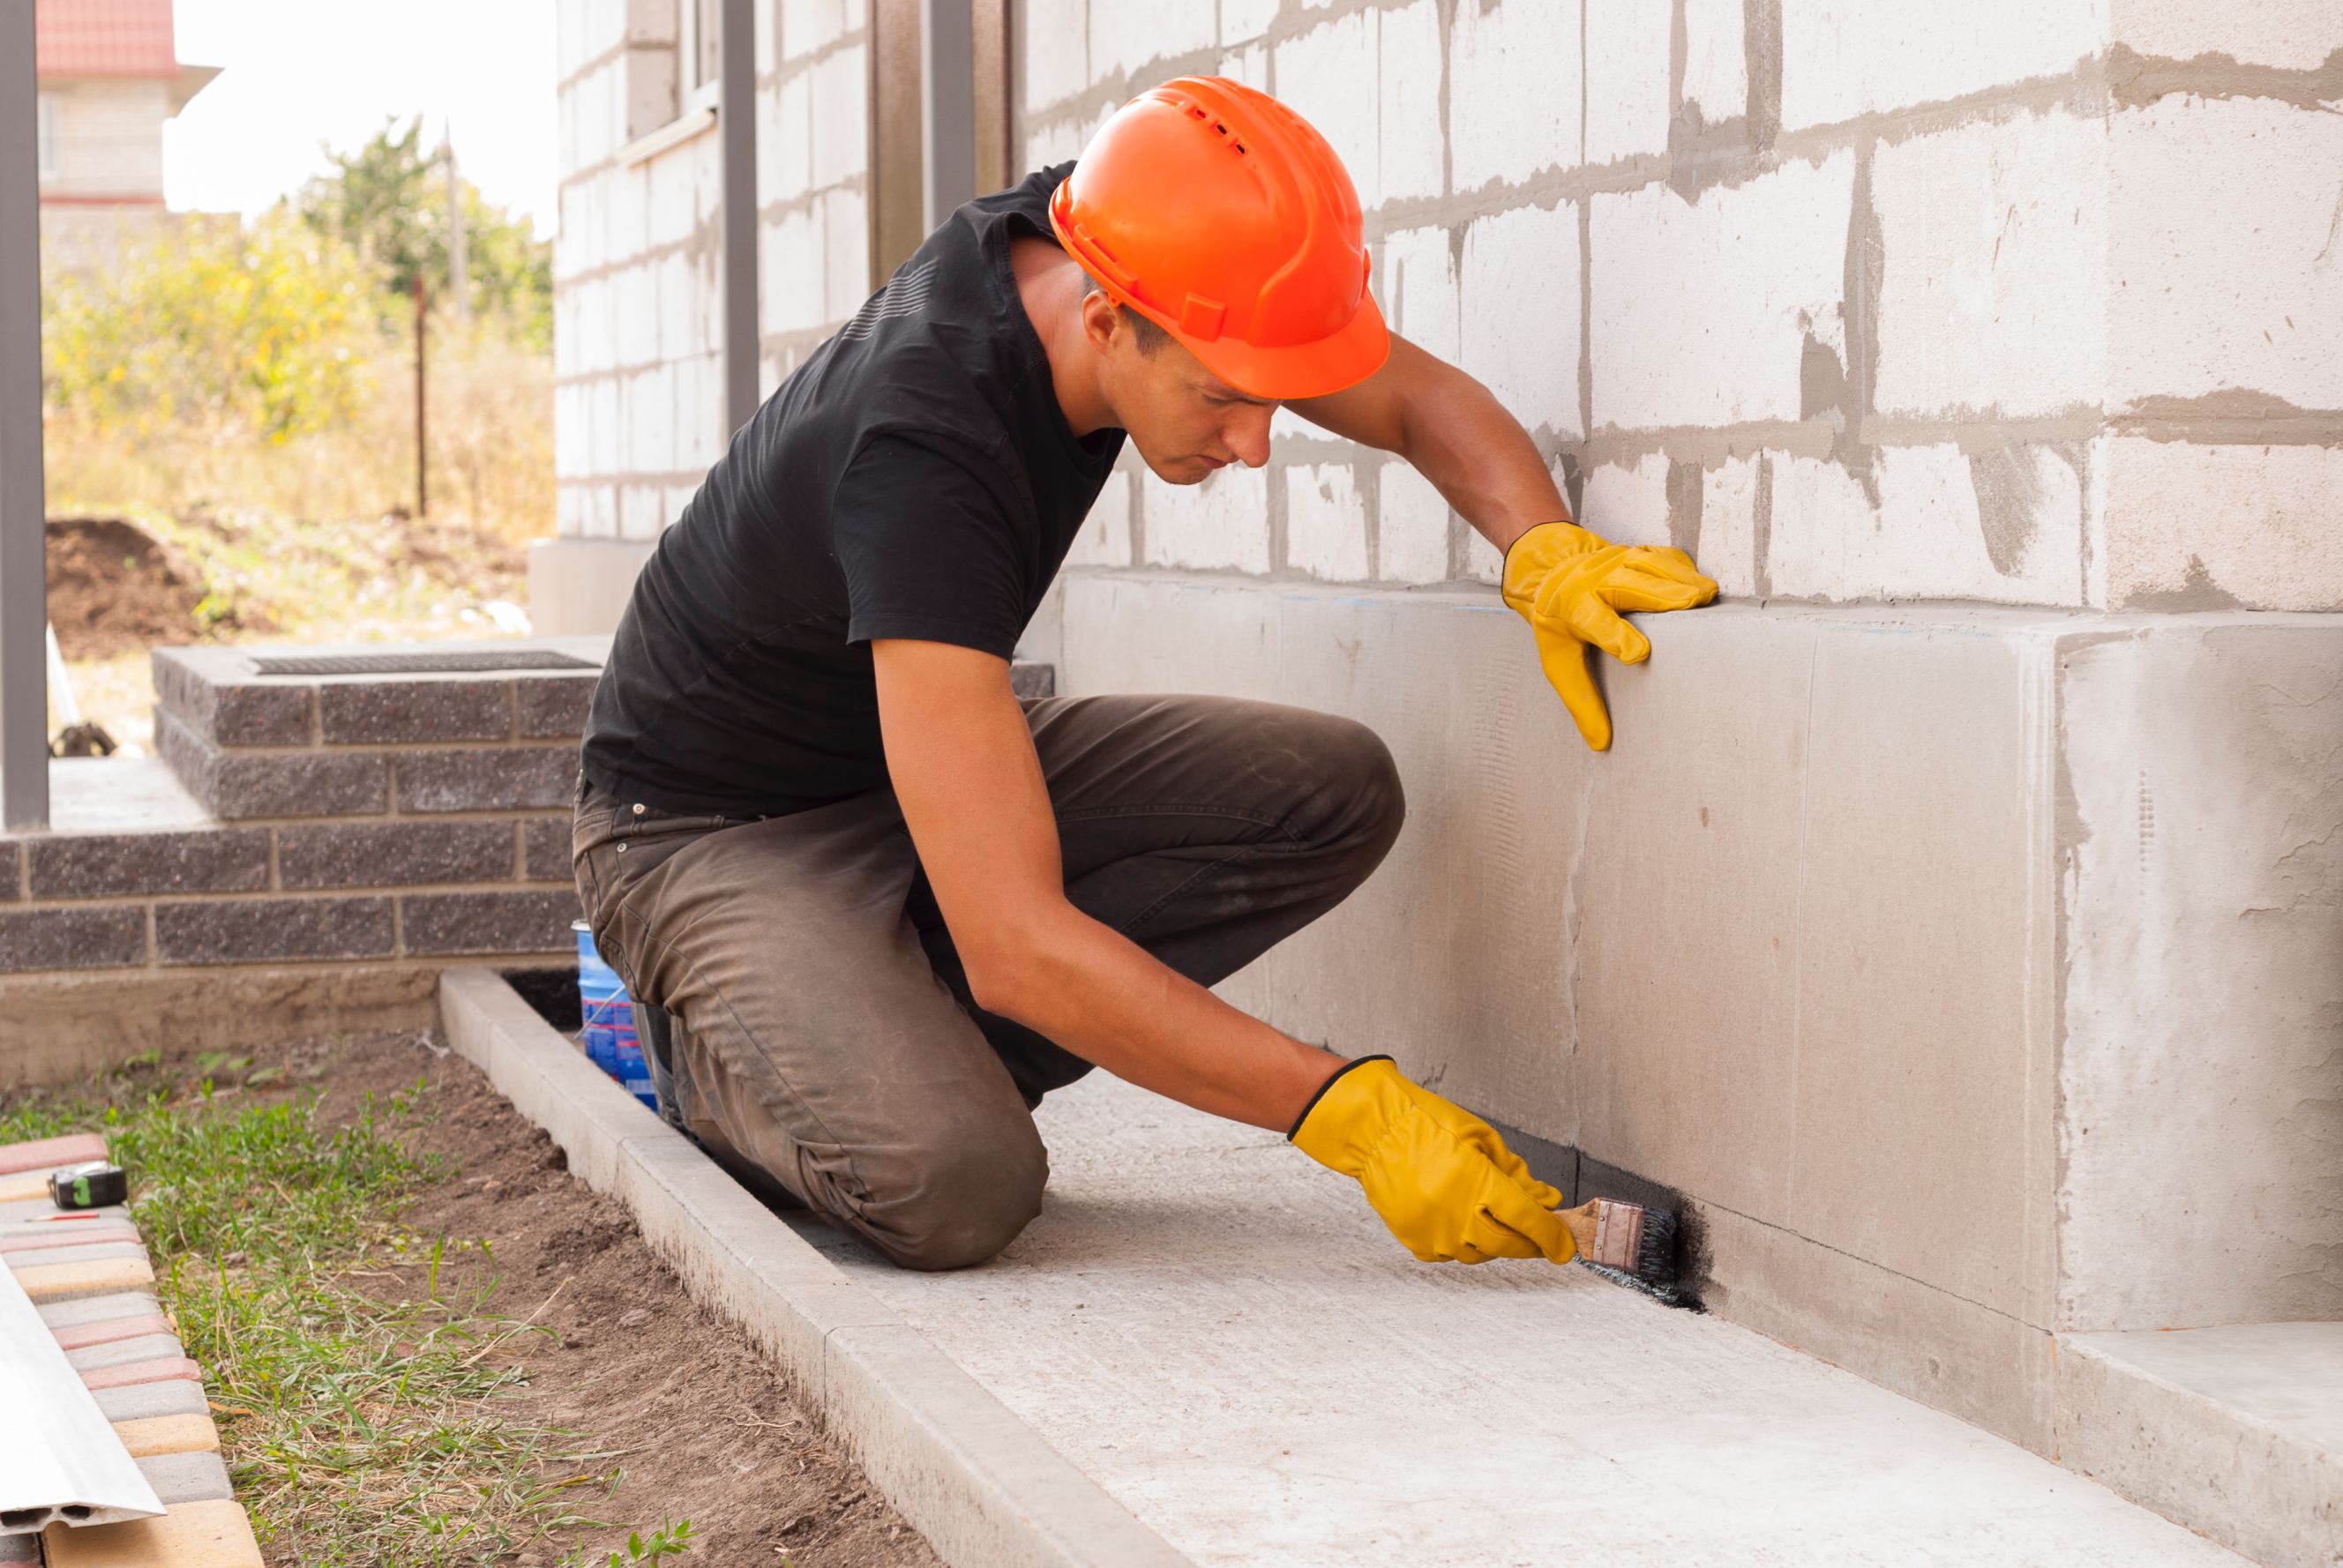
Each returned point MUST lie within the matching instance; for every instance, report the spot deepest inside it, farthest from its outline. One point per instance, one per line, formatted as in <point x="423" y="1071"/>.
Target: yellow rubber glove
<point x="1571" y="586"/>
<point x="1440" y="1176"/>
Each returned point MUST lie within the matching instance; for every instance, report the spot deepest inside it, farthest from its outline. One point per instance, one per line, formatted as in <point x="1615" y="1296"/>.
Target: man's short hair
<point x="1150" y="336"/>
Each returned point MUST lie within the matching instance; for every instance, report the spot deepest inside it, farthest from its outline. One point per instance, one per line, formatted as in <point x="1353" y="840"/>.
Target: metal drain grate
<point x="420" y="663"/>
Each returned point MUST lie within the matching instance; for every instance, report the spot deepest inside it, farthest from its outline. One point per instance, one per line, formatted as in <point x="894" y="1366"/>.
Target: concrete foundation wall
<point x="1846" y="939"/>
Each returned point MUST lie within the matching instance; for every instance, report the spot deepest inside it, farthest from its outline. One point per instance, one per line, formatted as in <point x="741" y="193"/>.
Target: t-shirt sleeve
<point x="928" y="548"/>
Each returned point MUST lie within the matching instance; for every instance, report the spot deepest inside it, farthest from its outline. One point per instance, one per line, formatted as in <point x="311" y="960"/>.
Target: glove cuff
<point x="1337" y="1077"/>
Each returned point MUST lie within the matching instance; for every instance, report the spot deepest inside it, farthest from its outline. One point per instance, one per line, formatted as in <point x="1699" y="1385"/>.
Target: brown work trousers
<point x="827" y="1040"/>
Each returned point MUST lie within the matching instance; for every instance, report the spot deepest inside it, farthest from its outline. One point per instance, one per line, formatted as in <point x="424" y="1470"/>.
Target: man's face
<point x="1184" y="420"/>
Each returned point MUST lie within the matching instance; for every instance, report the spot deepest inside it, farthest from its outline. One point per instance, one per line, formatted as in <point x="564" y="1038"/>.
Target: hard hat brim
<point x="1299" y="370"/>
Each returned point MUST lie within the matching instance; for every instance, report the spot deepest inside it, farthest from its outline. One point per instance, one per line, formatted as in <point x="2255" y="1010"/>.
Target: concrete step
<point x="1221" y="1334"/>
<point x="2236" y="1431"/>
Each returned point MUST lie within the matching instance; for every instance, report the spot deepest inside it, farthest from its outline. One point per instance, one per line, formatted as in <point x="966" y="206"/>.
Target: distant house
<point x="110" y="75"/>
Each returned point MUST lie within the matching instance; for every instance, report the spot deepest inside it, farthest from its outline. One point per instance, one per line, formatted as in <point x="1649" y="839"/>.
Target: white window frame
<point x="694" y="53"/>
<point x="45" y="135"/>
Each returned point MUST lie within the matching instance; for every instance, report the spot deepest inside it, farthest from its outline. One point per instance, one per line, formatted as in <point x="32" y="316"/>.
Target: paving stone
<point x="87" y="1253"/>
<point x="160" y="1345"/>
<point x="365" y="712"/>
<point x="251" y="931"/>
<point x="22" y="1211"/>
<point x="62" y="1281"/>
<point x="111" y="1331"/>
<point x="145" y="1436"/>
<point x="544" y="850"/>
<point x="394" y="854"/>
<point x="100" y="1309"/>
<point x="275" y="784"/>
<point x="107" y="937"/>
<point x="17" y="1241"/>
<point x="498" y="779"/>
<point x="211" y="1534"/>
<point x="228" y="713"/>
<point x="49" y="1153"/>
<point x="161" y="1369"/>
<point x="553" y="707"/>
<point x="488" y="922"/>
<point x="144" y="1401"/>
<point x="114" y="865"/>
<point x="191" y="1475"/>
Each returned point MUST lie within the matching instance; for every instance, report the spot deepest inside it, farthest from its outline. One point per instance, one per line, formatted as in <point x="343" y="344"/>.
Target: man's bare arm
<point x="965" y="772"/>
<point x="1454" y="433"/>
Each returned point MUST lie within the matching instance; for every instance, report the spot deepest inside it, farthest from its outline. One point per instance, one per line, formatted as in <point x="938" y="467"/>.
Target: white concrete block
<point x="588" y="116"/>
<point x="650" y="399"/>
<point x="1411" y="527"/>
<point x="2293" y="34"/>
<point x="1060" y="140"/>
<point x="1222" y="522"/>
<point x="605" y="429"/>
<point x="568" y="514"/>
<point x="1702" y="310"/>
<point x="2227" y="260"/>
<point x="1717" y="62"/>
<point x="784" y="140"/>
<point x="1056" y="44"/>
<point x="1841" y="58"/>
<point x="1727" y="546"/>
<point x="650" y="21"/>
<point x="1518" y="291"/>
<point x="1325" y="522"/>
<point x="1249" y="65"/>
<point x="811" y="25"/>
<point x="698" y="416"/>
<point x="840" y="110"/>
<point x="1319" y="77"/>
<point x="679" y="322"/>
<point x="1415" y="284"/>
<point x="767" y="41"/>
<point x="1514" y="72"/>
<point x="636" y="300"/>
<point x="678" y="497"/>
<point x="1996" y="240"/>
<point x="625" y="209"/>
<point x="643" y="97"/>
<point x="639" y="516"/>
<point x="602" y="514"/>
<point x="2006" y="527"/>
<point x="2207" y="528"/>
<point x="846" y="253"/>
<point x="1411" y="140"/>
<point x="1628" y="504"/>
<point x="1484" y="562"/>
<point x="708" y="177"/>
<point x="1135" y="37"/>
<point x="1626" y="79"/>
<point x="1105" y="537"/>
<point x="570" y="39"/>
<point x="790" y="297"/>
<point x="1243" y="20"/>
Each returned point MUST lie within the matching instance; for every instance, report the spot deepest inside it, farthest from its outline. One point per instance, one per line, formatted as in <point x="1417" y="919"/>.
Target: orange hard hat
<point x="1223" y="216"/>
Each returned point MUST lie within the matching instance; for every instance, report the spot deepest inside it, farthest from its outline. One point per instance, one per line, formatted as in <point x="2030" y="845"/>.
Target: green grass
<point x="361" y="1424"/>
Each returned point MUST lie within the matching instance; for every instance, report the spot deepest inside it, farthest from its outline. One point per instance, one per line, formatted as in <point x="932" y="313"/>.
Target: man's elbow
<point x="1010" y="970"/>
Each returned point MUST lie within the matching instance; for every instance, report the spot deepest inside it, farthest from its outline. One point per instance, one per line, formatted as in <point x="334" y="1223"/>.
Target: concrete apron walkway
<point x="1221" y="1334"/>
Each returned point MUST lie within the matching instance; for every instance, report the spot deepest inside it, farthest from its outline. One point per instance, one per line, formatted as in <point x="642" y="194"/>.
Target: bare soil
<point x="714" y="1434"/>
<point x="114" y="587"/>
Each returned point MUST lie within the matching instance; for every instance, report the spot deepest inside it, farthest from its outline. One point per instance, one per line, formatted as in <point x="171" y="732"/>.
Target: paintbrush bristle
<point x="1656" y="1253"/>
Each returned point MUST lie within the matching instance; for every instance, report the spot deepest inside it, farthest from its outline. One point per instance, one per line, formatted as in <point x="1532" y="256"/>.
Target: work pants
<point x="827" y="1041"/>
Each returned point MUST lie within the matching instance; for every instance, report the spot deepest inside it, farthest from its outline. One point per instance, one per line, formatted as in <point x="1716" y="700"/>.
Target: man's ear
<point x="1100" y="319"/>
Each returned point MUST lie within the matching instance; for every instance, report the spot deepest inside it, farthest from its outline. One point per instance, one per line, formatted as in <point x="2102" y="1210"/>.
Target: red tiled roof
<point x="105" y="38"/>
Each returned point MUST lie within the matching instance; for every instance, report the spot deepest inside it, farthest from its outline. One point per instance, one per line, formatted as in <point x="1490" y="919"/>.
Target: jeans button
<point x="638" y="808"/>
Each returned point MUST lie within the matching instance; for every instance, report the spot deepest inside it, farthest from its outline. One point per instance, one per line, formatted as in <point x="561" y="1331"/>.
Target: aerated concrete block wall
<point x="637" y="414"/>
<point x="1956" y="922"/>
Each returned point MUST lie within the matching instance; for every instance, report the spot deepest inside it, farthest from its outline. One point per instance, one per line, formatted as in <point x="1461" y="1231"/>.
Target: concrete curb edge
<point x="983" y="1486"/>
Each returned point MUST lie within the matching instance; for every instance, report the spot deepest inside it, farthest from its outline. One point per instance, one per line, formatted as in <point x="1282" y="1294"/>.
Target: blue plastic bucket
<point x="609" y="1016"/>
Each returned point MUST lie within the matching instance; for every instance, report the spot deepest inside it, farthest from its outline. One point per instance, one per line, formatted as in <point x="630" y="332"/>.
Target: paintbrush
<point x="1626" y="1239"/>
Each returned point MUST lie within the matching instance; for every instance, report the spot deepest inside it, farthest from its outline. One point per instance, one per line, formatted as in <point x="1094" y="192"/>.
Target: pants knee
<point x="1372" y="803"/>
<point x="971" y="1198"/>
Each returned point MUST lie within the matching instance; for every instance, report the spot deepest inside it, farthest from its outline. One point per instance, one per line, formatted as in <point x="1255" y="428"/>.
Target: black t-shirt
<point x="914" y="478"/>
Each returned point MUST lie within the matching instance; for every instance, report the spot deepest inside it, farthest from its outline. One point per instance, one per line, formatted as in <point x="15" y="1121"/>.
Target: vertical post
<point x="736" y="124"/>
<point x="459" y="248"/>
<point x="946" y="107"/>
<point x="898" y="205"/>
<point x="422" y="451"/>
<point x="990" y="26"/>
<point x="24" y="556"/>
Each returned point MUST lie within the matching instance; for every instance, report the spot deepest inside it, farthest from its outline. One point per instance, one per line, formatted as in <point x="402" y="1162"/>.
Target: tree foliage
<point x="388" y="199"/>
<point x="213" y="329"/>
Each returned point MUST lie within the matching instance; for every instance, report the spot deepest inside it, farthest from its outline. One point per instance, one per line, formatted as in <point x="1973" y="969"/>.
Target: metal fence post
<point x="948" y="105"/>
<point x="736" y="125"/>
<point x="24" y="563"/>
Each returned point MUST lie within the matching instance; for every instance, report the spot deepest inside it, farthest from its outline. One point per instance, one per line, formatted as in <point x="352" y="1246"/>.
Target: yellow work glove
<point x="1571" y="586"/>
<point x="1440" y="1176"/>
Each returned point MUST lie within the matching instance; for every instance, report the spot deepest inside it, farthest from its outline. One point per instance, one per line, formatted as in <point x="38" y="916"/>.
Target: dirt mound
<point x="114" y="587"/>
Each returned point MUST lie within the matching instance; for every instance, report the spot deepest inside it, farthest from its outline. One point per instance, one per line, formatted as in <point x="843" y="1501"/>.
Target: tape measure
<point x="96" y="1185"/>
